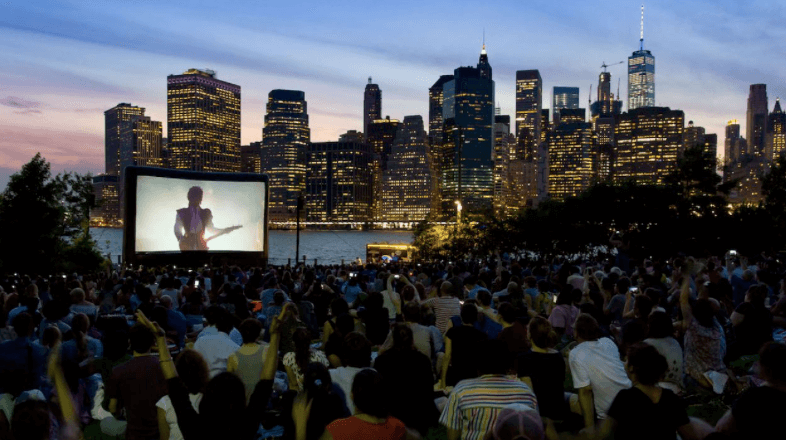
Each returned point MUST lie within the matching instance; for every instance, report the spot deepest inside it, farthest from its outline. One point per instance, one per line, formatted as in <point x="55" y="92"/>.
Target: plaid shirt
<point x="474" y="404"/>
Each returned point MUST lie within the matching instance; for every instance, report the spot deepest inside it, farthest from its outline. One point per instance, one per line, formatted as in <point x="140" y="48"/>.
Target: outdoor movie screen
<point x="178" y="214"/>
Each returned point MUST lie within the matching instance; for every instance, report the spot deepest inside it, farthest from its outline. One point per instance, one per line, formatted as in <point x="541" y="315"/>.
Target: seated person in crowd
<point x="647" y="411"/>
<point x="462" y="345"/>
<point x="598" y="373"/>
<point x="356" y="357"/>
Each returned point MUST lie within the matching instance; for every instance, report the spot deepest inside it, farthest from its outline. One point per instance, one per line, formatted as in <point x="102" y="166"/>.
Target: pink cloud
<point x="15" y="102"/>
<point x="65" y="150"/>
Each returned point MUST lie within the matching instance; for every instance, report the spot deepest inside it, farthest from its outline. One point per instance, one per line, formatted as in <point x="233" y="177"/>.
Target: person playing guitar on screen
<point x="192" y="222"/>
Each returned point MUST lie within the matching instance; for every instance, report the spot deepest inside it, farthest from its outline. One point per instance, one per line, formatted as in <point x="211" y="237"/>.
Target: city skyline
<point x="67" y="64"/>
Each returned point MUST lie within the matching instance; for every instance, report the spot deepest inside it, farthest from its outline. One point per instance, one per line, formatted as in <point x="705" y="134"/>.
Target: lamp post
<point x="300" y="203"/>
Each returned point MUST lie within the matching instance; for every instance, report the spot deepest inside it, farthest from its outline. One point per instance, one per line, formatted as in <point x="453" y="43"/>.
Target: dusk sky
<point x="65" y="62"/>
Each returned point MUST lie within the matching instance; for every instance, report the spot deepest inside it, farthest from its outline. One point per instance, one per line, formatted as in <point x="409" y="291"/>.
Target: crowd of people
<point x="492" y="348"/>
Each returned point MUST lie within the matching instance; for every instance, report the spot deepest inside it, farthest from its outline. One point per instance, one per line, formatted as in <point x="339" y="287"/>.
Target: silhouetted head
<point x="195" y="195"/>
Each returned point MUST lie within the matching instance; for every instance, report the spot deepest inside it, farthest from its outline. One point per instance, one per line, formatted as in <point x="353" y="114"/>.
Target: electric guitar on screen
<point x="197" y="242"/>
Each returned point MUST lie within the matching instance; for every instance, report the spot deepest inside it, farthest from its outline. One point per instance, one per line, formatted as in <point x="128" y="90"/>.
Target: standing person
<point x="598" y="373"/>
<point x="192" y="222"/>
<point x="475" y="404"/>
<point x="646" y="411"/>
<point x="137" y="385"/>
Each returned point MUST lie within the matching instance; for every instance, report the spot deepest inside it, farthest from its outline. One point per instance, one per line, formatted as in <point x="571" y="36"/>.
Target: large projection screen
<point x="180" y="212"/>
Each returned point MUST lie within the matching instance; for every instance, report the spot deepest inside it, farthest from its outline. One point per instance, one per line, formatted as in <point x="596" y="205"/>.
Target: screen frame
<point x="192" y="258"/>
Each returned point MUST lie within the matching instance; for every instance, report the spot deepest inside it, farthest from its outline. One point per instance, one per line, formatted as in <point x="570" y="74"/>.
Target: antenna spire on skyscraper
<point x="641" y="38"/>
<point x="483" y="50"/>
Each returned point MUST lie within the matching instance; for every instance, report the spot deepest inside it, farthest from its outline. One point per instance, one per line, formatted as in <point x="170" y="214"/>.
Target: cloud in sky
<point x="75" y="59"/>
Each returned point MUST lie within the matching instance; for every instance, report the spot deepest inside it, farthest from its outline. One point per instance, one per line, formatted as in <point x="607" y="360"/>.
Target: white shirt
<point x="597" y="364"/>
<point x="216" y="349"/>
<point x="343" y="377"/>
<point x="171" y="418"/>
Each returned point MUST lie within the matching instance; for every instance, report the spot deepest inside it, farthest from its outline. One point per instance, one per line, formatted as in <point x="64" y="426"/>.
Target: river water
<point x="329" y="247"/>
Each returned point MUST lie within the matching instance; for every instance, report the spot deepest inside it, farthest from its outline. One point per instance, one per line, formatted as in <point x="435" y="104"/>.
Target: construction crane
<point x="604" y="65"/>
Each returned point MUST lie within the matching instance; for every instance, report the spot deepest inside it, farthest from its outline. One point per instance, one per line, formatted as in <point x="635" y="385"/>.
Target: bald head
<point x="166" y="301"/>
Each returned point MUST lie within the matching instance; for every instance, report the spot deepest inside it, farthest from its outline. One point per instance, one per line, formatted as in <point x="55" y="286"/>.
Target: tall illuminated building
<point x="406" y="194"/>
<point x="251" y="158"/>
<point x="468" y="139"/>
<point x="776" y="132"/>
<point x="118" y="146"/>
<point x="285" y="138"/>
<point x="641" y="75"/>
<point x="380" y="136"/>
<point x="504" y="144"/>
<point x="203" y="122"/>
<point x="563" y="97"/>
<point x="106" y="213"/>
<point x="529" y="133"/>
<point x="571" y="159"/>
<point x="647" y="142"/>
<point x="735" y="146"/>
<point x="131" y="138"/>
<point x="435" y="137"/>
<point x="756" y="123"/>
<point x="339" y="182"/>
<point x="606" y="104"/>
<point x="694" y="135"/>
<point x="372" y="105"/>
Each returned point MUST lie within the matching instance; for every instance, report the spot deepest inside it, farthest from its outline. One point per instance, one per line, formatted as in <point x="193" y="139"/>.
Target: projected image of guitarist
<point x="192" y="222"/>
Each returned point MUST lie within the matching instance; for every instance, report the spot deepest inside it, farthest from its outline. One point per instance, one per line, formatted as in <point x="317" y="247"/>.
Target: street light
<point x="458" y="211"/>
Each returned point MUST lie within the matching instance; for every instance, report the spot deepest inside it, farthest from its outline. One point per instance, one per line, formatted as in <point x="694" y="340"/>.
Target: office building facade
<point x="647" y="142"/>
<point x="572" y="159"/>
<point x="251" y="158"/>
<point x="118" y="145"/>
<point x="530" y="134"/>
<point x="563" y="98"/>
<point x="106" y="213"/>
<point x="756" y="119"/>
<point x="641" y="80"/>
<point x="468" y="139"/>
<point x="339" y="182"/>
<point x="203" y="122"/>
<point x="285" y="138"/>
<point x="735" y="146"/>
<point x="406" y="194"/>
<point x="776" y="132"/>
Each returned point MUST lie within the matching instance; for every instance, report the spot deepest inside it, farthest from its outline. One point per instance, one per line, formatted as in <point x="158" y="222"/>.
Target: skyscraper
<point x="251" y="158"/>
<point x="734" y="146"/>
<point x="563" y="97"/>
<point x="504" y="143"/>
<point x="756" y="123"/>
<point x="203" y="122"/>
<point x="606" y="104"/>
<point x="435" y="137"/>
<point x="468" y="139"/>
<point x="571" y="159"/>
<point x="118" y="147"/>
<point x="338" y="182"/>
<point x="641" y="75"/>
<point x="380" y="135"/>
<point x="406" y="194"/>
<point x="284" y="141"/>
<point x="776" y="132"/>
<point x="647" y="141"/>
<point x="106" y="213"/>
<point x="694" y="135"/>
<point x="372" y="105"/>
<point x="529" y="133"/>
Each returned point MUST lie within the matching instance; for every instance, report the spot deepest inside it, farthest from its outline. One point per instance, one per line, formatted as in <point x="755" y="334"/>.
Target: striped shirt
<point x="445" y="307"/>
<point x="474" y="404"/>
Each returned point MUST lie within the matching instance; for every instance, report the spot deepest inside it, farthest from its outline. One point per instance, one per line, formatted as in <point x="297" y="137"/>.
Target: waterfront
<point x="326" y="246"/>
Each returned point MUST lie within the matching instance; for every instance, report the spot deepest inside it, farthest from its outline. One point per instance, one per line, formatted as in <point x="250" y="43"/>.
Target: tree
<point x="41" y="220"/>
